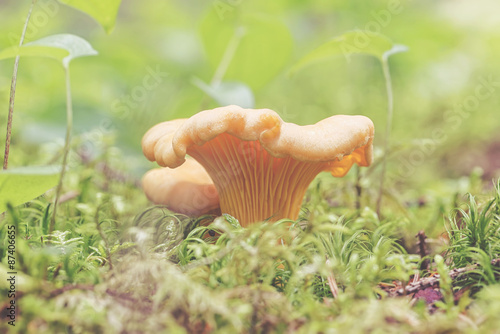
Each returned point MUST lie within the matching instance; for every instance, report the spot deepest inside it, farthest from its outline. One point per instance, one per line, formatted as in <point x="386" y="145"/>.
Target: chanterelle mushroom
<point x="261" y="165"/>
<point x="187" y="189"/>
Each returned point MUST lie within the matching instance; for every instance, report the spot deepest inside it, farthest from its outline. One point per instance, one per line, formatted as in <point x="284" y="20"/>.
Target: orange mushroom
<point x="261" y="165"/>
<point x="187" y="189"/>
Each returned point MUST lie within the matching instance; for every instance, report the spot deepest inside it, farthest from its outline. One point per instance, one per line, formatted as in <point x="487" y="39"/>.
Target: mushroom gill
<point x="260" y="165"/>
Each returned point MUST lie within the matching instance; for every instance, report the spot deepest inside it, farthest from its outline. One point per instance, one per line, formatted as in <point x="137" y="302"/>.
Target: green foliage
<point x="475" y="238"/>
<point x="34" y="51"/>
<point x="48" y="47"/>
<point x="62" y="47"/>
<point x="110" y="264"/>
<point x="475" y="229"/>
<point x="270" y="277"/>
<point x="303" y="258"/>
<point x="76" y="46"/>
<point x="104" y="12"/>
<point x="23" y="184"/>
<point x="349" y="43"/>
<point x="260" y="41"/>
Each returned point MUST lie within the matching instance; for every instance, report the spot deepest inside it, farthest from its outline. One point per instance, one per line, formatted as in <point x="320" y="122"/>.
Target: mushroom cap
<point x="339" y="140"/>
<point x="187" y="189"/>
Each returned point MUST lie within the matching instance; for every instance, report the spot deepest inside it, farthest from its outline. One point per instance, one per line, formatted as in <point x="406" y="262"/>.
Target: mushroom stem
<point x="252" y="184"/>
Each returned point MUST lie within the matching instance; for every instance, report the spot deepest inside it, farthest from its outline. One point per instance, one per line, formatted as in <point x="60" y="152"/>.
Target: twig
<point x="422" y="249"/>
<point x="69" y="196"/>
<point x="57" y="292"/>
<point x="358" y="188"/>
<point x="126" y="297"/>
<point x="13" y="91"/>
<point x="431" y="281"/>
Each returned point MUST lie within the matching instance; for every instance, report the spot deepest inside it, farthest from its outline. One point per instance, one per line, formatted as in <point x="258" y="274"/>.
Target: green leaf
<point x="76" y="46"/>
<point x="103" y="11"/>
<point x="63" y="47"/>
<point x="33" y="51"/>
<point x="227" y="93"/>
<point x="262" y="51"/>
<point x="349" y="43"/>
<point x="20" y="185"/>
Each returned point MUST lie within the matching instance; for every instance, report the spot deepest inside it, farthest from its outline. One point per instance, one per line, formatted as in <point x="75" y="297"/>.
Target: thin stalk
<point x="390" y="108"/>
<point x="13" y="91"/>
<point x="332" y="282"/>
<point x="69" y="126"/>
<point x="103" y="237"/>
<point x="358" y="188"/>
<point x="228" y="56"/>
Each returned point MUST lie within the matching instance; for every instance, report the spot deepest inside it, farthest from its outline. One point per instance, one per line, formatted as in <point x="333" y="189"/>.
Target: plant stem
<point x="13" y="91"/>
<point x="425" y="282"/>
<point x="358" y="188"/>
<point x="390" y="107"/>
<point x="103" y="237"/>
<point x="228" y="56"/>
<point x="69" y="126"/>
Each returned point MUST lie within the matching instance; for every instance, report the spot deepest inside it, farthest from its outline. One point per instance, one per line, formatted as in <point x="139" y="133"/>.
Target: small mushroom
<point x="187" y="189"/>
<point x="261" y="165"/>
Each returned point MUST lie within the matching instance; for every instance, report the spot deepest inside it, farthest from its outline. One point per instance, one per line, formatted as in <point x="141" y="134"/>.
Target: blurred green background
<point x="446" y="87"/>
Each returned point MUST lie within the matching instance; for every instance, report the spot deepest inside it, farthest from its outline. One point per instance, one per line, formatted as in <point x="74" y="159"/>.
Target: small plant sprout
<point x="376" y="45"/>
<point x="261" y="165"/>
<point x="64" y="48"/>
